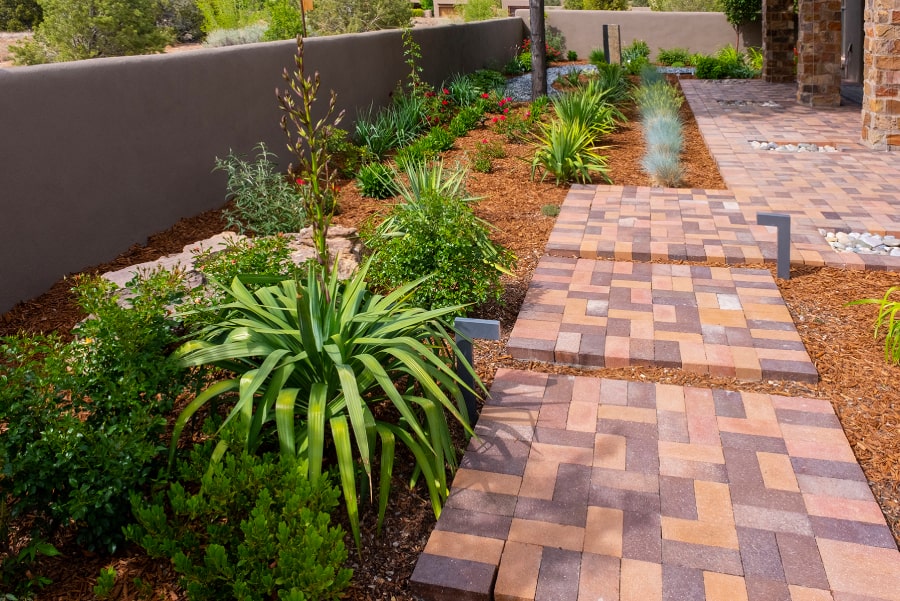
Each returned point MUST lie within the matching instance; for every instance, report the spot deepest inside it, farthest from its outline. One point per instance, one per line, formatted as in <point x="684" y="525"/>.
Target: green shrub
<point x="572" y="55"/>
<point x="467" y="119"/>
<point x="487" y="80"/>
<point x="480" y="10"/>
<point x="437" y="140"/>
<point x="597" y="57"/>
<point x="184" y="18"/>
<point x="605" y="4"/>
<point x="673" y="55"/>
<point x="704" y="6"/>
<point x="313" y="361"/>
<point x="728" y="62"/>
<point x="418" y="13"/>
<point x="888" y="318"/>
<point x="81" y="29"/>
<point x="86" y="418"/>
<point x="755" y="58"/>
<point x="573" y="4"/>
<point x="230" y="14"/>
<point x="463" y="89"/>
<point x="550" y="210"/>
<point x="612" y="78"/>
<point x="19" y="15"/>
<point x="635" y="56"/>
<point x="285" y="20"/>
<point x="555" y="44"/>
<point x="376" y="180"/>
<point x="249" y="528"/>
<point x="588" y="105"/>
<point x="332" y="17"/>
<point x="485" y="152"/>
<point x="344" y="156"/>
<point x="414" y="154"/>
<point x="264" y="201"/>
<point x="266" y="255"/>
<point x="568" y="152"/>
<point x="434" y="232"/>
<point x="249" y="34"/>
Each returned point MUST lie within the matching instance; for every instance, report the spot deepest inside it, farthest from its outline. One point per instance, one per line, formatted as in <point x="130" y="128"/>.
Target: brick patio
<point x="579" y="488"/>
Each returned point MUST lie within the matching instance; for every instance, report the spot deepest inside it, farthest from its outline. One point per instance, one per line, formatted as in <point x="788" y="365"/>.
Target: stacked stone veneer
<point x="779" y="40"/>
<point x="819" y="62"/>
<point x="881" y="88"/>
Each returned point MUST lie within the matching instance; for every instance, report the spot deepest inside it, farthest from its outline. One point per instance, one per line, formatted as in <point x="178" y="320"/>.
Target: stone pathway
<point x="579" y="488"/>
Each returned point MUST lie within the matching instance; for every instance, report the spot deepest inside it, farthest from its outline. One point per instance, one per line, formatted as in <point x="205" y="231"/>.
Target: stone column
<point x="819" y="61"/>
<point x="881" y="82"/>
<point x="779" y="41"/>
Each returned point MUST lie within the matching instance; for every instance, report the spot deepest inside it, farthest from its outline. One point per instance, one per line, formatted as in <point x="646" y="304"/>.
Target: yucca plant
<point x="614" y="79"/>
<point x="312" y="361"/>
<point x="888" y="318"/>
<point x="568" y="152"/>
<point x="588" y="105"/>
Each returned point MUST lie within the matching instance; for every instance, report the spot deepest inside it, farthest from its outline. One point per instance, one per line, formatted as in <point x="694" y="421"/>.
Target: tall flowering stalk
<point x="306" y="140"/>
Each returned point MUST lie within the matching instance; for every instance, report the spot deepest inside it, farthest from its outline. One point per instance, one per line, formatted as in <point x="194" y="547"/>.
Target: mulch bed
<point x="863" y="388"/>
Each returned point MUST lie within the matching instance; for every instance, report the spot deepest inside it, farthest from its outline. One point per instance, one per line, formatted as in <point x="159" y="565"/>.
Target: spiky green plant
<point x="313" y="360"/>
<point x="888" y="319"/>
<point x="567" y="151"/>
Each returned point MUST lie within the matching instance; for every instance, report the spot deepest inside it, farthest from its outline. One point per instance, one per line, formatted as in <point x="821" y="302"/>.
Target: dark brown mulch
<point x="864" y="390"/>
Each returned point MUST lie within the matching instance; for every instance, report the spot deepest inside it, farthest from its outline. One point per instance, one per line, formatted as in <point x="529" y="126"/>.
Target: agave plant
<point x="567" y="150"/>
<point x="312" y="361"/>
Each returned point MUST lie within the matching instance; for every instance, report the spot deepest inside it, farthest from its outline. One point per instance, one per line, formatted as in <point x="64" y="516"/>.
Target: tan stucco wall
<point x="698" y="32"/>
<point x="97" y="155"/>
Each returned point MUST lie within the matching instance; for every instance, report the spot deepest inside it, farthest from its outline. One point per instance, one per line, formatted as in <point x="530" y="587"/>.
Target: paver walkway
<point x="579" y="488"/>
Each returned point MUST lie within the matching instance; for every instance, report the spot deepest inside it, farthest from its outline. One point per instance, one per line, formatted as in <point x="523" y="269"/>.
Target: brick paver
<point x="578" y="488"/>
<point x="715" y="320"/>
<point x="647" y="506"/>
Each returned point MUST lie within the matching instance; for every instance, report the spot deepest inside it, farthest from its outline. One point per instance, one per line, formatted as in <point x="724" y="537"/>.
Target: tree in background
<point x="332" y="17"/>
<point x="700" y="6"/>
<point x="480" y="10"/>
<point x="19" y="15"/>
<point x="739" y="12"/>
<point x="79" y="29"/>
<point x="596" y="4"/>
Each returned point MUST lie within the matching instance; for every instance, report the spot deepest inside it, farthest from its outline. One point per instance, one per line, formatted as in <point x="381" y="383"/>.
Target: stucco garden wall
<point x="698" y="32"/>
<point x="97" y="155"/>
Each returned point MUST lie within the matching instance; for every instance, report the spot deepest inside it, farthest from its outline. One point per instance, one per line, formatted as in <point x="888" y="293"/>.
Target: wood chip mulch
<point x="863" y="388"/>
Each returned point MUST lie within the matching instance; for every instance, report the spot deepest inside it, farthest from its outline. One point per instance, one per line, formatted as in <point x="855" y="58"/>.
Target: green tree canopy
<point x="742" y="11"/>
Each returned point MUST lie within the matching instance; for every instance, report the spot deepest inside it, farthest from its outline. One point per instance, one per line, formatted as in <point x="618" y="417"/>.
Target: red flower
<point x="503" y="117"/>
<point x="445" y="102"/>
<point x="485" y="95"/>
<point x="484" y="141"/>
<point x="301" y="181"/>
<point x="494" y="120"/>
<point x="505" y="111"/>
<point x="445" y="91"/>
